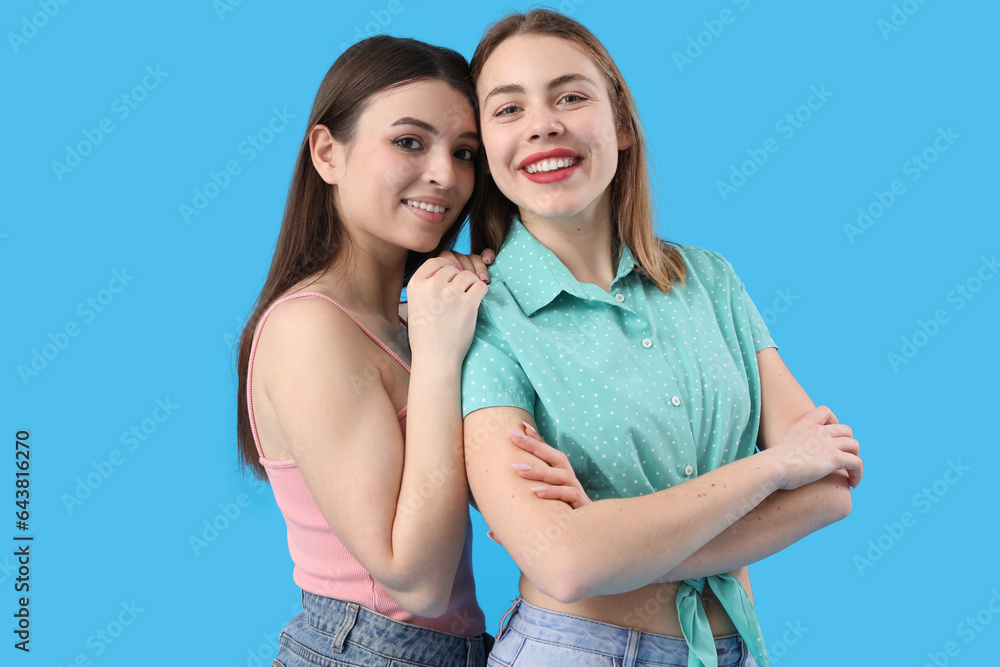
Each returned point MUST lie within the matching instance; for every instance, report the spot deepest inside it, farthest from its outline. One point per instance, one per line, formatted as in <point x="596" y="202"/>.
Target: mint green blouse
<point x="642" y="390"/>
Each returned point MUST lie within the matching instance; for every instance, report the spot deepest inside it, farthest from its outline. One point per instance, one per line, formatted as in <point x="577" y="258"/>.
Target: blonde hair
<point x="632" y="216"/>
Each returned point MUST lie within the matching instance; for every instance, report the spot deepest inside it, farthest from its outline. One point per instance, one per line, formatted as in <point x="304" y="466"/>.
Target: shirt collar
<point x="535" y="276"/>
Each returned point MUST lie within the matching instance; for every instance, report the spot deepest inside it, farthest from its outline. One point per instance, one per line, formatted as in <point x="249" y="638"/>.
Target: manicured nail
<point x="528" y="428"/>
<point x="539" y="488"/>
<point x="516" y="434"/>
<point x="521" y="466"/>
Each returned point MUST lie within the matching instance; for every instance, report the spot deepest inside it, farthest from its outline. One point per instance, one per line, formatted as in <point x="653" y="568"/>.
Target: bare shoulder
<point x="312" y="363"/>
<point x="308" y="319"/>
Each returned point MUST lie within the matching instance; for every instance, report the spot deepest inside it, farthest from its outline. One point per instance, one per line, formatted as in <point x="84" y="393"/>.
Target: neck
<point x="581" y="242"/>
<point x="369" y="283"/>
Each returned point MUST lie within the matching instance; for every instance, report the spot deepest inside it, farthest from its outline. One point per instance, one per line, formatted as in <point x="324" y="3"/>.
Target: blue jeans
<point x="536" y="636"/>
<point x="333" y="633"/>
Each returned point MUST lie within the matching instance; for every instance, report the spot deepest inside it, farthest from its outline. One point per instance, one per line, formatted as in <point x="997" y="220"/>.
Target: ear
<point x="625" y="128"/>
<point x="328" y="154"/>
<point x="625" y="136"/>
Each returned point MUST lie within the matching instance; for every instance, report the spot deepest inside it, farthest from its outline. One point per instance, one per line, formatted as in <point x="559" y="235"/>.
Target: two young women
<point x="592" y="331"/>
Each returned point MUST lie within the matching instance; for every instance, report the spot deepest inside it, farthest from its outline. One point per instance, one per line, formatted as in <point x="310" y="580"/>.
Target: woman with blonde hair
<point x="644" y="363"/>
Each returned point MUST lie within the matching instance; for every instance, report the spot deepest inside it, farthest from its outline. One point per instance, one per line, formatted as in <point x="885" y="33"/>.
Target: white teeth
<point x="551" y="165"/>
<point x="427" y="207"/>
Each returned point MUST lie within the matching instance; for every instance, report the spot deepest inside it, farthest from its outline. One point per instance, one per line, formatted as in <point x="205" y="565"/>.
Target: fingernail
<point x="487" y="258"/>
<point x="529" y="428"/>
<point x="521" y="466"/>
<point x="539" y="488"/>
<point x="485" y="277"/>
<point x="516" y="434"/>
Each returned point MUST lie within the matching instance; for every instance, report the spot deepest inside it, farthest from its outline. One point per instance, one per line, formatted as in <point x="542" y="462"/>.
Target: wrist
<point x="441" y="367"/>
<point x="772" y="463"/>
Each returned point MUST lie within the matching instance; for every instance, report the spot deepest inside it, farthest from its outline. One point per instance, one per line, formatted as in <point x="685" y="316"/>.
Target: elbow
<point x="842" y="508"/>
<point x="565" y="590"/>
<point x="563" y="584"/>
<point x="839" y="506"/>
<point x="425" y="602"/>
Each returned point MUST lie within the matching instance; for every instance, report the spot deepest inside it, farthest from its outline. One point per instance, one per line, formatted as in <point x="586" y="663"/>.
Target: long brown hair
<point x="312" y="236"/>
<point x="632" y="215"/>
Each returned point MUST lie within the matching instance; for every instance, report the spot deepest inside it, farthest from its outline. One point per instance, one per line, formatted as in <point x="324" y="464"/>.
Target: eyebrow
<point x="554" y="83"/>
<point x="430" y="129"/>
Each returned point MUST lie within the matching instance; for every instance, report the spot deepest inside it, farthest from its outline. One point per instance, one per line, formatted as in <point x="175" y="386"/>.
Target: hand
<point x="477" y="264"/>
<point x="442" y="304"/>
<point x="816" y="446"/>
<point x="558" y="476"/>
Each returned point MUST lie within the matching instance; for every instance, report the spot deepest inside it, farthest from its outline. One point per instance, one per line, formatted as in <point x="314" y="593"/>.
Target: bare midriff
<point x="652" y="608"/>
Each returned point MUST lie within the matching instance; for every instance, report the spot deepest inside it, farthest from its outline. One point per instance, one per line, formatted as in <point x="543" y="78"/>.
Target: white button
<point x="646" y="343"/>
<point x="619" y="298"/>
<point x="689" y="471"/>
<point x="676" y="400"/>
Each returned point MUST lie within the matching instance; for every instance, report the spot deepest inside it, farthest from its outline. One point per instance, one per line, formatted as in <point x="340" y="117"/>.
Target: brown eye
<point x="408" y="143"/>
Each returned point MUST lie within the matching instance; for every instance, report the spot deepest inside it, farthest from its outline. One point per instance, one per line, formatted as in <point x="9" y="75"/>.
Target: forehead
<point x="432" y="101"/>
<point x="534" y="59"/>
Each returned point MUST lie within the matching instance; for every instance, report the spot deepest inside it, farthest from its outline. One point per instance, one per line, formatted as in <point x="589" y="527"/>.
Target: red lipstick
<point x="550" y="176"/>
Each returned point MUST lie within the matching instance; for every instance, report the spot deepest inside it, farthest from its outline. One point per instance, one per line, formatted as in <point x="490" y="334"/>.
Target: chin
<point x="425" y="246"/>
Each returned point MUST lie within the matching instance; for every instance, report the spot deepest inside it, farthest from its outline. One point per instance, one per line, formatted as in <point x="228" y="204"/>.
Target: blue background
<point x="116" y="546"/>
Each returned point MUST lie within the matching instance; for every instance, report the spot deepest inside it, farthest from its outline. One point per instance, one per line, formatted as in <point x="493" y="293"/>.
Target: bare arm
<point x="401" y="511"/>
<point x="784" y="517"/>
<point x="618" y="545"/>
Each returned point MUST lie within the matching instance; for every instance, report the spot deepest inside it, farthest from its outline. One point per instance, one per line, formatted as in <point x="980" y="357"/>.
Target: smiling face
<point x="409" y="171"/>
<point x="548" y="129"/>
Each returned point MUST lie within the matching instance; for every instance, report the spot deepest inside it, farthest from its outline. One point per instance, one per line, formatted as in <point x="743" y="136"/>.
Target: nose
<point x="440" y="169"/>
<point x="543" y="122"/>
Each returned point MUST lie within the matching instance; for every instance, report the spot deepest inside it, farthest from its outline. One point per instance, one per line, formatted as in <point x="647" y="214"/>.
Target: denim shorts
<point x="536" y="636"/>
<point x="331" y="632"/>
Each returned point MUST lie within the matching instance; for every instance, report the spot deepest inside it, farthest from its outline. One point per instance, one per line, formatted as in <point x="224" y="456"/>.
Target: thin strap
<point x="256" y="339"/>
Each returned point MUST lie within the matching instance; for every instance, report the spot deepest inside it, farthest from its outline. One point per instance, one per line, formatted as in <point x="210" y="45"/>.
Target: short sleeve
<point x="758" y="330"/>
<point x="491" y="374"/>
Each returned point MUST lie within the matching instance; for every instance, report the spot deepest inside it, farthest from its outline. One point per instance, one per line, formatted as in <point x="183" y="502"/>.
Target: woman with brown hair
<point x="378" y="530"/>
<point x="644" y="363"/>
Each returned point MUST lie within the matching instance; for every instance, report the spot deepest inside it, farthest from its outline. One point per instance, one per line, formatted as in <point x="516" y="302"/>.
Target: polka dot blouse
<point x="642" y="390"/>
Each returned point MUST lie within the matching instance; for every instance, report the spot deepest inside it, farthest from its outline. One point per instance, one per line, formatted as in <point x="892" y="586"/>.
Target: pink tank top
<point x="322" y="564"/>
